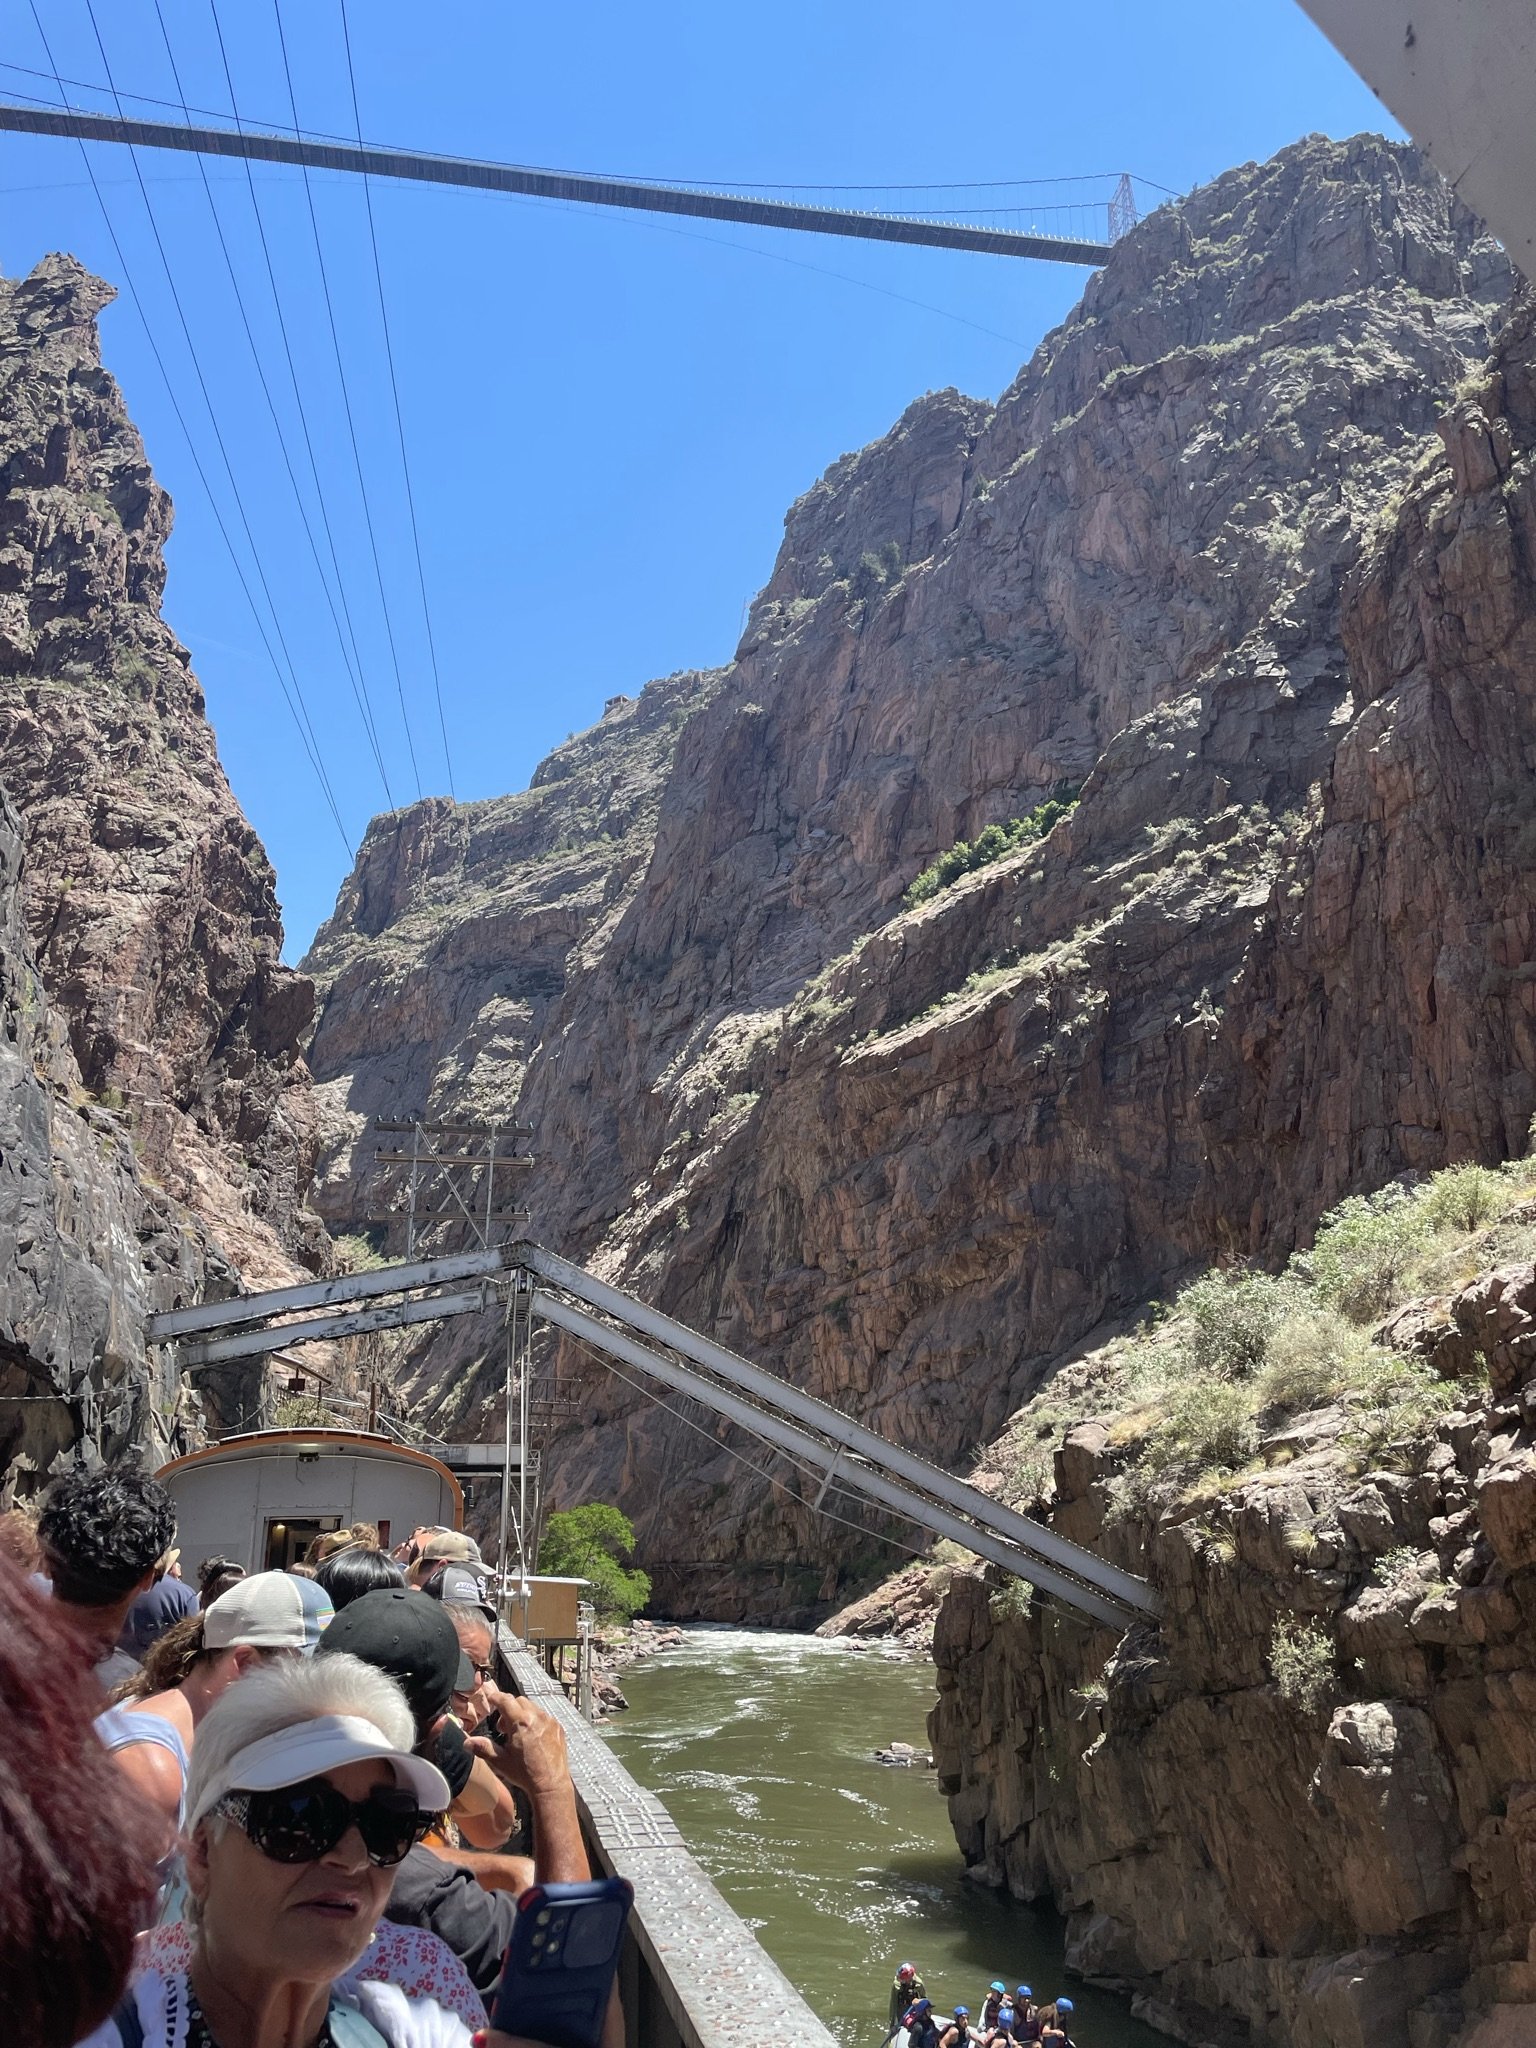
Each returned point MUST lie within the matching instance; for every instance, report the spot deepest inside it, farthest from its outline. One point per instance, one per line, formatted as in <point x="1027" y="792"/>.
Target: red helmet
<point x="906" y="1970"/>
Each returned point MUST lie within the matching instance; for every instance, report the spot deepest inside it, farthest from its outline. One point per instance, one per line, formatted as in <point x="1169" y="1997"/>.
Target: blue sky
<point x="606" y="415"/>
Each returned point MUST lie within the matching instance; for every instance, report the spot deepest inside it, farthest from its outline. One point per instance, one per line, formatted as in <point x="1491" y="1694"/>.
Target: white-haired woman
<point x="302" y="1797"/>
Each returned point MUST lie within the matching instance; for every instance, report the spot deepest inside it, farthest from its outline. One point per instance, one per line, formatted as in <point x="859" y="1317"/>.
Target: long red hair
<point x="77" y="1845"/>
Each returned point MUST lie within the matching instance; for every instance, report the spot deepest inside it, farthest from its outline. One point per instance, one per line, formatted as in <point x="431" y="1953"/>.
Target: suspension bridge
<point x="375" y="620"/>
<point x="368" y="160"/>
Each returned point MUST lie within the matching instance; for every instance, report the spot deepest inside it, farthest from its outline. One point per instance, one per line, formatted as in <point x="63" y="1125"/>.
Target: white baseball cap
<point x="307" y="1749"/>
<point x="268" y="1611"/>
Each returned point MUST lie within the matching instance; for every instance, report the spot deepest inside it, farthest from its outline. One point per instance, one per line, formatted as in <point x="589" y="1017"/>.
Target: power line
<point x="293" y="373"/>
<point x="389" y="354"/>
<point x="805" y="1471"/>
<point x="298" y="711"/>
<point x="213" y="421"/>
<point x="346" y="399"/>
<point x="359" y="690"/>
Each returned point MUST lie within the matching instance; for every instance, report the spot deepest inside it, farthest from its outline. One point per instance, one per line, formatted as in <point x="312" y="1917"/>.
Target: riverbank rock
<point x="903" y="1756"/>
<point x="900" y="1612"/>
<point x="1297" y="1809"/>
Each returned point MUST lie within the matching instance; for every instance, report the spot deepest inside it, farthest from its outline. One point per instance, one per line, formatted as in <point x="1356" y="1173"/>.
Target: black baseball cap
<point x="460" y="1587"/>
<point x="401" y="1631"/>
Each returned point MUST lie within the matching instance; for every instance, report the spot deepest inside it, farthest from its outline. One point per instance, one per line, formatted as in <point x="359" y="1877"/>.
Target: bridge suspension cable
<point x="346" y="405"/>
<point x="474" y="174"/>
<point x="290" y="687"/>
<point x="352" y="666"/>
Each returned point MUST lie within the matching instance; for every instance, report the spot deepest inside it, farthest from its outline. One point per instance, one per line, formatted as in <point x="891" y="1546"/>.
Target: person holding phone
<point x="302" y="1800"/>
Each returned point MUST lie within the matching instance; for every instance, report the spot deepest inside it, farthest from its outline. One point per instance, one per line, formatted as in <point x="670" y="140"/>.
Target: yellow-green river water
<point x="762" y="1748"/>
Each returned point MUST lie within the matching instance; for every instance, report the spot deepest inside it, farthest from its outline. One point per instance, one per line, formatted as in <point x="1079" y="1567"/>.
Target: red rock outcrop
<point x="1335" y="1851"/>
<point x="151" y="905"/>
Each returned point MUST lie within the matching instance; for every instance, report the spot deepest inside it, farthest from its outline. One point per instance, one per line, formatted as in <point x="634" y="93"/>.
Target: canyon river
<point x="762" y="1747"/>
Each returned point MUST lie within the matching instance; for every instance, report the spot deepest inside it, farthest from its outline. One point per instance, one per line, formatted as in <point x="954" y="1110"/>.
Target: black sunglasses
<point x="299" y="1823"/>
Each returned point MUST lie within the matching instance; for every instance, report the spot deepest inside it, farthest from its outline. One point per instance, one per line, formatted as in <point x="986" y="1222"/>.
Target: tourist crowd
<point x="1004" y="2017"/>
<point x="289" y="1810"/>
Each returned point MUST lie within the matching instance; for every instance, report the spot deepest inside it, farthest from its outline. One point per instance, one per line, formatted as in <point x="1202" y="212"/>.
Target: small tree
<point x="596" y="1542"/>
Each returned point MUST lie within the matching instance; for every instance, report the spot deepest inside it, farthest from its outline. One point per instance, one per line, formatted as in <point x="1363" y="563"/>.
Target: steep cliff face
<point x="1300" y="1811"/>
<point x="88" y="1245"/>
<point x="150" y="903"/>
<point x="1386" y="1017"/>
<point x="908" y="1155"/>
<point x="453" y="939"/>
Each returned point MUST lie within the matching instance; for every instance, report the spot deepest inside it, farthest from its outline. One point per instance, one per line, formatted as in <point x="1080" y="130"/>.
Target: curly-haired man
<point x="102" y="1535"/>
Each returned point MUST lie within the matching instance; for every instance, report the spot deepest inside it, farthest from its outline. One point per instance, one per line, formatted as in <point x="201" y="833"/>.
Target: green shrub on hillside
<point x="1363" y="1250"/>
<point x="991" y="844"/>
<point x="1301" y="1664"/>
<point x="1464" y="1198"/>
<point x="1311" y="1355"/>
<point x="1233" y="1316"/>
<point x="1239" y="1353"/>
<point x="1207" y="1427"/>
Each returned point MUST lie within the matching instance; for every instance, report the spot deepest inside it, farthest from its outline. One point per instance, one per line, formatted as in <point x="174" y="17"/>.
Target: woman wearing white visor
<point x="302" y="1798"/>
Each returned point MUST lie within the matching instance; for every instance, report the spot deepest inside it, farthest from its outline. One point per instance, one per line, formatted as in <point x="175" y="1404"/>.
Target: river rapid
<point x="762" y="1748"/>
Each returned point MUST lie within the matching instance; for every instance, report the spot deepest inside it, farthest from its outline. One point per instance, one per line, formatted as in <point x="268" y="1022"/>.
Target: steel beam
<point x="568" y="185"/>
<point x="277" y="1301"/>
<point x="251" y="1343"/>
<point x="852" y="1475"/>
<point x="831" y="1423"/>
<point x="455" y="1159"/>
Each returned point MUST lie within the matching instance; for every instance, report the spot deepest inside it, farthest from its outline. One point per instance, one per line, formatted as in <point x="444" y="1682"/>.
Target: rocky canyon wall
<point x="907" y="1156"/>
<point x="1347" y="1858"/>
<point x="89" y="1244"/>
<point x="151" y="905"/>
<point x="161" y="1131"/>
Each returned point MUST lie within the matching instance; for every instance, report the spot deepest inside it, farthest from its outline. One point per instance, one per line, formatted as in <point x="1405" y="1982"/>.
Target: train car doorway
<point x="288" y="1542"/>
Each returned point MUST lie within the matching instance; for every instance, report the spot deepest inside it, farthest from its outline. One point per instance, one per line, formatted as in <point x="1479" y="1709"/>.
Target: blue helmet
<point x="962" y="2012"/>
<point x="1025" y="1991"/>
<point x="1064" y="2005"/>
<point x="998" y="1986"/>
<point x="923" y="2005"/>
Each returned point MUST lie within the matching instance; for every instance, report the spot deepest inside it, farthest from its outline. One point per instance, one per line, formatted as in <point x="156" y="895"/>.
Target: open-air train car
<point x="261" y="1499"/>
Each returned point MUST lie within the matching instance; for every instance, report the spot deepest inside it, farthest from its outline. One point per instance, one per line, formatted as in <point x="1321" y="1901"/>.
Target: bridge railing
<point x="693" y="1976"/>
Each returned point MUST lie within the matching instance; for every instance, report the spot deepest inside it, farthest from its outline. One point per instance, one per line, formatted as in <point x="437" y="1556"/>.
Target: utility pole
<point x="455" y="1182"/>
<point x="454" y="1176"/>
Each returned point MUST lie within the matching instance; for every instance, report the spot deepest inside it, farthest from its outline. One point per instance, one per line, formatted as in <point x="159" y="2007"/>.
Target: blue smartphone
<point x="560" y="1964"/>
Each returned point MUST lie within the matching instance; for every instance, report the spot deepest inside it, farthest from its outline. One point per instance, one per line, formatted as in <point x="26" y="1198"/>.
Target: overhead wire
<point x="805" y="1471"/>
<point x="389" y="356"/>
<point x="213" y="418"/>
<point x="293" y="697"/>
<point x="293" y="373"/>
<point x="346" y="397"/>
<point x="358" y="682"/>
